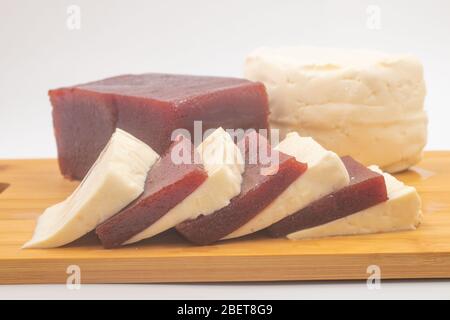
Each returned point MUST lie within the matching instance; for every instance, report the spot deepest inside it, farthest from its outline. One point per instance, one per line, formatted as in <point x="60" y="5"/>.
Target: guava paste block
<point x="150" y="107"/>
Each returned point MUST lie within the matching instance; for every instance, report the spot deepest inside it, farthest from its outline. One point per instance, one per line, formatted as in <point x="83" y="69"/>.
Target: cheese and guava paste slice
<point x="223" y="162"/>
<point x="366" y="189"/>
<point x="402" y="211"/>
<point x="168" y="183"/>
<point x="325" y="174"/>
<point x="262" y="183"/>
<point x="116" y="179"/>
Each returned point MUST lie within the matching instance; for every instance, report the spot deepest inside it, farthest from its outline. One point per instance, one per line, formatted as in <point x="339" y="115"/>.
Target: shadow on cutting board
<point x="3" y="186"/>
<point x="169" y="237"/>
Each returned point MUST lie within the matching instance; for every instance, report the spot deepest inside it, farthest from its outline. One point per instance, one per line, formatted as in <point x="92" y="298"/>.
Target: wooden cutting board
<point x="29" y="186"/>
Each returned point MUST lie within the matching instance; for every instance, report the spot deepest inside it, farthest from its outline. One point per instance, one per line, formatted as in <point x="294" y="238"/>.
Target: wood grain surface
<point x="29" y="186"/>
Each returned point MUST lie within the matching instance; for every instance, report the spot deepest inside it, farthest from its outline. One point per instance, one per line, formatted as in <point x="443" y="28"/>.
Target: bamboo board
<point x="29" y="186"/>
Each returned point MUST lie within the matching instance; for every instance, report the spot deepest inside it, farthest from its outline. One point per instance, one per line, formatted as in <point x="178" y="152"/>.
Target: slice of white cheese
<point x="224" y="164"/>
<point x="401" y="212"/>
<point x="326" y="173"/>
<point x="116" y="178"/>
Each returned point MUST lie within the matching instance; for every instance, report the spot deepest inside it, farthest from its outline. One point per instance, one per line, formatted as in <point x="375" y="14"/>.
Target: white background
<point x="38" y="52"/>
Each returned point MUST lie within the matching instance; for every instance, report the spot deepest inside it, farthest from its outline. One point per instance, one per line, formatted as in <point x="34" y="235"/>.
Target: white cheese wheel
<point x="365" y="104"/>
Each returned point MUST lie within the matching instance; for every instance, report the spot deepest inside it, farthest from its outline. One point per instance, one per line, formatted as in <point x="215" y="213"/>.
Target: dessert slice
<point x="224" y="165"/>
<point x="325" y="174"/>
<point x="260" y="186"/>
<point x="149" y="106"/>
<point x="167" y="184"/>
<point x="115" y="180"/>
<point x="366" y="189"/>
<point x="402" y="211"/>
